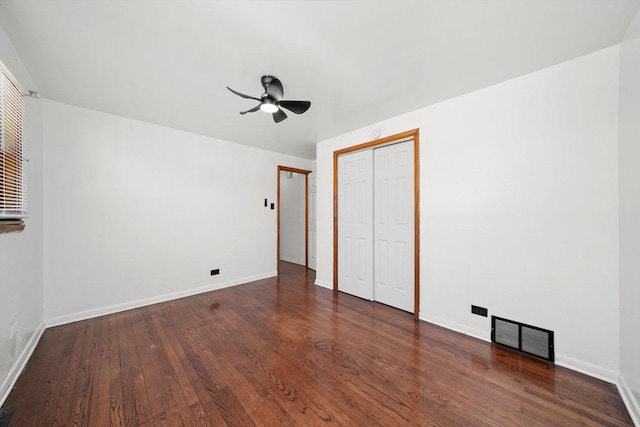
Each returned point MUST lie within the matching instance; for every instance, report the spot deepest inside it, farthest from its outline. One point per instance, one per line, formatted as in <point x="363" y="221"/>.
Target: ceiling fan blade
<point x="297" y="107"/>
<point x="242" y="94"/>
<point x="253" y="110"/>
<point x="265" y="80"/>
<point x="279" y="116"/>
<point x="274" y="89"/>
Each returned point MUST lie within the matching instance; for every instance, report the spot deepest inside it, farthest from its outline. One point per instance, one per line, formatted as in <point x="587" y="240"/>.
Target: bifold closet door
<point x="394" y="226"/>
<point x="355" y="224"/>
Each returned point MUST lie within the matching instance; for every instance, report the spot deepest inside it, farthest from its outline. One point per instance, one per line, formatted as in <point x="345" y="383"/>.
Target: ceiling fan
<point x="271" y="100"/>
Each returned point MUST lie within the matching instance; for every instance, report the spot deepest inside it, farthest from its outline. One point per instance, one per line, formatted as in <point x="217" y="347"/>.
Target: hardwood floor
<point x="283" y="351"/>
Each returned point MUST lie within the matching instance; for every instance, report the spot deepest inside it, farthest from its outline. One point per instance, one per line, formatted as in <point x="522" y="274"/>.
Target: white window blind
<point x="13" y="195"/>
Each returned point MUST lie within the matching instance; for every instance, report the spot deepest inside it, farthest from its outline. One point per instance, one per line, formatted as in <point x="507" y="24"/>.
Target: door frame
<point x="411" y="134"/>
<point x="306" y="213"/>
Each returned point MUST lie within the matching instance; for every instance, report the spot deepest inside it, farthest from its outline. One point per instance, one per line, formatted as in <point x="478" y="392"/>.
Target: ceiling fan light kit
<point x="268" y="106"/>
<point x="271" y="100"/>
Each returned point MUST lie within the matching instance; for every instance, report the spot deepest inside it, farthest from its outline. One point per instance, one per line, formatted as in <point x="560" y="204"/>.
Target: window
<point x="12" y="181"/>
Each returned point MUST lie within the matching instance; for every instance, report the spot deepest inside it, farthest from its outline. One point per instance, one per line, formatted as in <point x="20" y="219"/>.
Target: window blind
<point x="12" y="180"/>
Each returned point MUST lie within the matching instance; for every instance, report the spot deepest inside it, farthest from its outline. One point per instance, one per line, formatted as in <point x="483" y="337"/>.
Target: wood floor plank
<point x="181" y="390"/>
<point x="136" y="409"/>
<point x="282" y="351"/>
<point x="203" y="359"/>
<point x="116" y="413"/>
<point x="86" y="378"/>
<point x="99" y="393"/>
<point x="70" y="382"/>
<point x="154" y="366"/>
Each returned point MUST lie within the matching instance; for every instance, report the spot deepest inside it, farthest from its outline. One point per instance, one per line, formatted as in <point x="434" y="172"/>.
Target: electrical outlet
<point x="480" y="311"/>
<point x="216" y="271"/>
<point x="14" y="329"/>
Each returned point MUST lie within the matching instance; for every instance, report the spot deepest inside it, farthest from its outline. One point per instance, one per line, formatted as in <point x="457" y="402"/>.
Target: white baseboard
<point x="323" y="284"/>
<point x="10" y="380"/>
<point x="292" y="260"/>
<point x="630" y="400"/>
<point x="102" y="311"/>
<point x="604" y="374"/>
<point x="457" y="327"/>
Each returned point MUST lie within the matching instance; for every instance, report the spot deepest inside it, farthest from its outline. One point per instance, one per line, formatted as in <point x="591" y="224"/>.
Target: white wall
<point x="629" y="158"/>
<point x="519" y="199"/>
<point x="137" y="213"/>
<point x="292" y="218"/>
<point x="21" y="253"/>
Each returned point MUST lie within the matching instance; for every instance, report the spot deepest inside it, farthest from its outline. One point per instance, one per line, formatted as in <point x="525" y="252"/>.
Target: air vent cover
<point x="524" y="338"/>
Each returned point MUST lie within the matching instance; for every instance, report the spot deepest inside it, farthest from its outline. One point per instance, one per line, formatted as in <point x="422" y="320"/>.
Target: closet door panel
<point x="355" y="224"/>
<point x="394" y="225"/>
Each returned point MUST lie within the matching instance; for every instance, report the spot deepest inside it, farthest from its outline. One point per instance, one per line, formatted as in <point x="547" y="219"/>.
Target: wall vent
<point x="524" y="338"/>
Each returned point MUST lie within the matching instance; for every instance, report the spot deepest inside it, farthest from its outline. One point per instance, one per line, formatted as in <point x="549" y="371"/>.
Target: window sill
<point x="11" y="226"/>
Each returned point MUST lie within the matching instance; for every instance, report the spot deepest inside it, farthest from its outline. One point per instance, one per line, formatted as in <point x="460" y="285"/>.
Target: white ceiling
<point x="359" y="62"/>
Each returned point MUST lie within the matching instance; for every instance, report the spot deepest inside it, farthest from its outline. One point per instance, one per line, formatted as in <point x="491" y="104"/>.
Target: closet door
<point x="394" y="225"/>
<point x="355" y="224"/>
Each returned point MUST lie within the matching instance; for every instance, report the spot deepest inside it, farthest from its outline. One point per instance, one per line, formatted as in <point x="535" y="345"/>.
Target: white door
<point x="312" y="221"/>
<point x="394" y="225"/>
<point x="355" y="224"/>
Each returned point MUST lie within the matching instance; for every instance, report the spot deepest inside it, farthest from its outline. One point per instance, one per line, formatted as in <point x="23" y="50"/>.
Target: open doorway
<point x="293" y="216"/>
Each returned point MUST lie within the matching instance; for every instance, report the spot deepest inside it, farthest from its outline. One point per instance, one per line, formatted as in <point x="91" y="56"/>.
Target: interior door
<point x="355" y="224"/>
<point x="394" y="225"/>
<point x="312" y="221"/>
